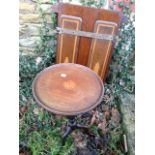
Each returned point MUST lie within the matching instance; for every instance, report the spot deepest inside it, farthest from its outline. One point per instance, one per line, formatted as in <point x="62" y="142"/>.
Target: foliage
<point x="121" y="74"/>
<point x="41" y="132"/>
<point x="93" y="3"/>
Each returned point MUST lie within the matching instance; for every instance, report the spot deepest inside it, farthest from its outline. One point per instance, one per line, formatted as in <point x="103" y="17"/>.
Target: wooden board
<point x="68" y="89"/>
<point x="89" y="17"/>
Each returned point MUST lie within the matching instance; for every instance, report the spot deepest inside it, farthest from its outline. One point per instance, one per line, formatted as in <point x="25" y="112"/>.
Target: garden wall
<point x="32" y="16"/>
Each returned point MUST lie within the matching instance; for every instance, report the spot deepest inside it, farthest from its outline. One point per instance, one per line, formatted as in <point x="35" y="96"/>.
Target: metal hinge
<point x="60" y="30"/>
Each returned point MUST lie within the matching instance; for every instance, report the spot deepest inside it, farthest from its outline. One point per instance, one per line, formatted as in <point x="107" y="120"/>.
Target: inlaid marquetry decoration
<point x="66" y="60"/>
<point x="69" y="85"/>
<point x="96" y="67"/>
<point x="100" y="50"/>
<point x="68" y="44"/>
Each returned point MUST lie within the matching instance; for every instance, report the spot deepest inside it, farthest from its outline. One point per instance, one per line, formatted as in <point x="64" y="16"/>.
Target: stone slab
<point x="31" y="42"/>
<point x="34" y="18"/>
<point x="128" y="112"/>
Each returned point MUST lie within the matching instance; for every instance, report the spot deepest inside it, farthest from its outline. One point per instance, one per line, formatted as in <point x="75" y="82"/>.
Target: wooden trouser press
<point x="86" y="36"/>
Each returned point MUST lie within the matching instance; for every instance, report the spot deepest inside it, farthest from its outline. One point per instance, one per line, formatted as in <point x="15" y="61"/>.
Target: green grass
<point x="41" y="136"/>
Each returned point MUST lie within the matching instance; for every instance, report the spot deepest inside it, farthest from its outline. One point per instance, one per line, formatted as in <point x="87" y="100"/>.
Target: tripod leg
<point x="67" y="132"/>
<point x="69" y="128"/>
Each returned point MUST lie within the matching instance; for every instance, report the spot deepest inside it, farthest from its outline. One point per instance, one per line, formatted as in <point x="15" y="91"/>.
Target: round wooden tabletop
<point x="68" y="89"/>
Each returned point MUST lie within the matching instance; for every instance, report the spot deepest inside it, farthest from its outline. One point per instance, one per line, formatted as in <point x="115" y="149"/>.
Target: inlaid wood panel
<point x="68" y="44"/>
<point x="99" y="54"/>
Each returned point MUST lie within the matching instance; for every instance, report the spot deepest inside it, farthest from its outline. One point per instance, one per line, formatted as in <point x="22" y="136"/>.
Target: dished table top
<point x="68" y="89"/>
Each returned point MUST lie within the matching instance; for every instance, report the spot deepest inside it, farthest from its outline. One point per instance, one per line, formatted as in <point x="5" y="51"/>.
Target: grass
<point x="41" y="132"/>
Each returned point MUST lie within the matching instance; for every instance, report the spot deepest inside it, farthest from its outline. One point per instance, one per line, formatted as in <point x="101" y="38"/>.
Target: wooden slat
<point x="100" y="50"/>
<point x="68" y="44"/>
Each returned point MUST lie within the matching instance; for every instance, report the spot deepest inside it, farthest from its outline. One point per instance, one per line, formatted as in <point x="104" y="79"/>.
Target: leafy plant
<point x="93" y="3"/>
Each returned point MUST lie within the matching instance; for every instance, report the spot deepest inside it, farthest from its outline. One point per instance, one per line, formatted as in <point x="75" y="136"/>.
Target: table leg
<point x="72" y="125"/>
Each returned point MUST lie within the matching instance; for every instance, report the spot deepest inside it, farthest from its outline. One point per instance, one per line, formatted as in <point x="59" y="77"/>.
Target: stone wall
<point x="32" y="15"/>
